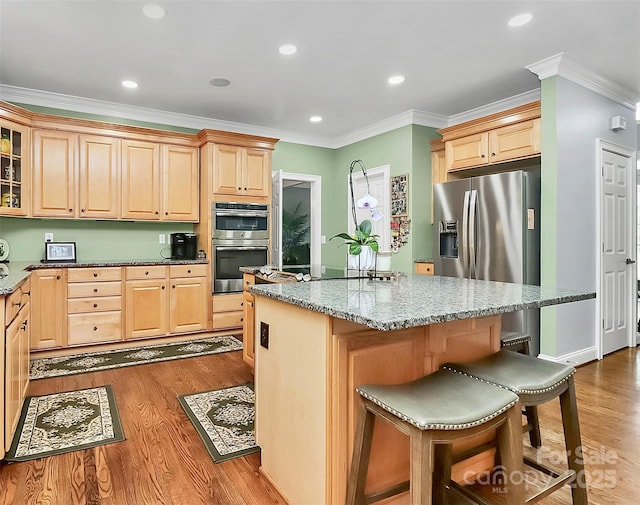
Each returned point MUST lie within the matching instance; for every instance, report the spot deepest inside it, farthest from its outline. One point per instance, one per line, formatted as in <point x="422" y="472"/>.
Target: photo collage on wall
<point x="400" y="222"/>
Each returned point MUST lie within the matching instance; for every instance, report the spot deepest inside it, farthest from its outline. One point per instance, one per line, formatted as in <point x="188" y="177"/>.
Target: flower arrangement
<point x="362" y="235"/>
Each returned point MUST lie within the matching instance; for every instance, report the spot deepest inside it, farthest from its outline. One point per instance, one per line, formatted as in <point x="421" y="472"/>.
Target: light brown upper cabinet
<point x="140" y="180"/>
<point x="510" y="135"/>
<point x="15" y="167"/>
<point x="180" y="183"/>
<point x="241" y="171"/>
<point x="99" y="177"/>
<point x="54" y="173"/>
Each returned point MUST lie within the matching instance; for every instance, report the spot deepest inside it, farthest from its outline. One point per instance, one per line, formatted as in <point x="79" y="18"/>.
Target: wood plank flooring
<point x="163" y="462"/>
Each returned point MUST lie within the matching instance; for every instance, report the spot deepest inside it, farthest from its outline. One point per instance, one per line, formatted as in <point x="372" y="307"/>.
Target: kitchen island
<point x="319" y="340"/>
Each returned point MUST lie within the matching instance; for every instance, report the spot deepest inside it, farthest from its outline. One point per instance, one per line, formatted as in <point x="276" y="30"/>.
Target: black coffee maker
<point x="183" y="246"/>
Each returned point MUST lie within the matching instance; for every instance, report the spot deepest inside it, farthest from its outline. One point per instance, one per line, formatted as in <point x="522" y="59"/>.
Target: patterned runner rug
<point x="65" y="422"/>
<point x="224" y="420"/>
<point x="42" y="368"/>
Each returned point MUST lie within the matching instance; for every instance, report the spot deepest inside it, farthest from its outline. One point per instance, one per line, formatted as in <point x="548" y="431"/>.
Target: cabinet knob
<point x="242" y="319"/>
<point x="95" y="274"/>
<point x="251" y="303"/>
<point x="95" y="305"/>
<point x="28" y="293"/>
<point x="162" y="287"/>
<point x="482" y="155"/>
<point x="95" y="290"/>
<point x="174" y="286"/>
<point x="95" y="328"/>
<point x="245" y="189"/>
<point x="157" y="212"/>
<point x="241" y="304"/>
<point x="146" y="273"/>
<point x="81" y="210"/>
<point x="166" y="213"/>
<point x="23" y="326"/>
<point x="188" y="271"/>
<point x="58" y="277"/>
<point x="239" y="189"/>
<point x="70" y="210"/>
<point x="493" y="154"/>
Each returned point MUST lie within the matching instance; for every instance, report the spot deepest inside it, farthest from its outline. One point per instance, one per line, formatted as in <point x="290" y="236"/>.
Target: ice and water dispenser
<point x="448" y="239"/>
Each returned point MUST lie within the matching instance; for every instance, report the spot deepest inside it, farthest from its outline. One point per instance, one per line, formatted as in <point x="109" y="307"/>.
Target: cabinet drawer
<point x="424" y="268"/>
<point x="227" y="320"/>
<point x="94" y="328"/>
<point x="97" y="304"/>
<point x="227" y="303"/>
<point x="94" y="274"/>
<point x="199" y="270"/>
<point x="13" y="302"/>
<point x="89" y="289"/>
<point x="149" y="272"/>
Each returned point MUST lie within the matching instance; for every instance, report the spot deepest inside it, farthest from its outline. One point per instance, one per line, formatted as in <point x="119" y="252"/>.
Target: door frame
<point x="631" y="301"/>
<point x="315" y="219"/>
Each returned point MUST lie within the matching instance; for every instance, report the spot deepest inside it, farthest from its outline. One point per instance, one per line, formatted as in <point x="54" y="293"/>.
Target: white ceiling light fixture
<point x="220" y="82"/>
<point x="153" y="11"/>
<point x="520" y="19"/>
<point x="315" y="119"/>
<point x="396" y="79"/>
<point x="130" y="84"/>
<point x="288" y="49"/>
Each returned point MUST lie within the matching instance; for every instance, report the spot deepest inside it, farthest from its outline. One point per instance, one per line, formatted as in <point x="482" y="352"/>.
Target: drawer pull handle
<point x="95" y="274"/>
<point x="95" y="328"/>
<point x="95" y="290"/>
<point x="17" y="304"/>
<point x="95" y="305"/>
<point x="28" y="293"/>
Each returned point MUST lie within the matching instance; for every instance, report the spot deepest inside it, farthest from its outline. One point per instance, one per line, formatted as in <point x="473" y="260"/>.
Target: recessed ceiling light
<point x="220" y="82"/>
<point x="315" y="119"/>
<point x="154" y="11"/>
<point x="520" y="19"/>
<point x="288" y="49"/>
<point x="396" y="79"/>
<point x="130" y="84"/>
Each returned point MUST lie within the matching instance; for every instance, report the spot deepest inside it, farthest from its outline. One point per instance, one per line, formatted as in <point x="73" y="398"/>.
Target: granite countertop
<point x="14" y="272"/>
<point x="415" y="300"/>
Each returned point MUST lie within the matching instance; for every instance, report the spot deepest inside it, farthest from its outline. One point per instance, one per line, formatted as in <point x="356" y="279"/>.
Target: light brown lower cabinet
<point x="424" y="268"/>
<point x="16" y="360"/>
<point x="248" y="330"/>
<point x="47" y="306"/>
<point x="187" y="298"/>
<point x="146" y="308"/>
<point x="227" y="311"/>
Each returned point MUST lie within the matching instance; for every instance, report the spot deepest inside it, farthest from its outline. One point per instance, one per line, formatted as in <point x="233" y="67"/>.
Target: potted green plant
<point x="363" y="246"/>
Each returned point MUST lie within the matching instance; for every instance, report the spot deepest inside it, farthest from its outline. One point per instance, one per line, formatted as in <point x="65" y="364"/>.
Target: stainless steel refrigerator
<point x="488" y="228"/>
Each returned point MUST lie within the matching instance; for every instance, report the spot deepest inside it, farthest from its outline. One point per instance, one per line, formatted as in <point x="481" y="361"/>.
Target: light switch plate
<point x="161" y="239"/>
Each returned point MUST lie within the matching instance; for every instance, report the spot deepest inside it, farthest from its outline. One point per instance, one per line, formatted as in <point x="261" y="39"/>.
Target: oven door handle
<point x="239" y="213"/>
<point x="240" y="248"/>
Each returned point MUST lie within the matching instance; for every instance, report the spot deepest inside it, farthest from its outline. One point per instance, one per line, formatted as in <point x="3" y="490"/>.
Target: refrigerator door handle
<point x="473" y="214"/>
<point x="465" y="233"/>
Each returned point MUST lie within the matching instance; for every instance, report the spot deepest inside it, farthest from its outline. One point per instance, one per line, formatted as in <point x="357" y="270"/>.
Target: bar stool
<point x="521" y="344"/>
<point x="437" y="409"/>
<point x="536" y="381"/>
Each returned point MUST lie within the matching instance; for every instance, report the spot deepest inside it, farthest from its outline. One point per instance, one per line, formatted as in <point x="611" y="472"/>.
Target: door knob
<point x="630" y="261"/>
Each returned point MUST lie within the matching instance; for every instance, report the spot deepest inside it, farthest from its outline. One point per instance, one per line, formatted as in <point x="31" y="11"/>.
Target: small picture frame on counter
<point x="59" y="252"/>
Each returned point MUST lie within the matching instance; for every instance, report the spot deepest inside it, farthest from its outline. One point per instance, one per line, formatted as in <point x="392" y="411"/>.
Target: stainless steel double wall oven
<point x="240" y="237"/>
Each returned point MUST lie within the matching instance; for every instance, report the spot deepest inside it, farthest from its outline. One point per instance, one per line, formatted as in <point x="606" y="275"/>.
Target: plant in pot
<point x="363" y="245"/>
<point x="295" y="236"/>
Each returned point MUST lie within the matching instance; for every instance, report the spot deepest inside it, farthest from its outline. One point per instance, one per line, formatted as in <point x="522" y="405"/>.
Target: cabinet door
<point x="227" y="170"/>
<point x="180" y="183"/>
<point x="49" y="311"/>
<point x="248" y="330"/>
<point x="140" y="180"/>
<point x="256" y="175"/>
<point x="515" y="141"/>
<point x="146" y="313"/>
<point x="466" y="152"/>
<point x="438" y="172"/>
<point x="188" y="310"/>
<point x="15" y="169"/>
<point x="54" y="173"/>
<point x="16" y="372"/>
<point x="99" y="177"/>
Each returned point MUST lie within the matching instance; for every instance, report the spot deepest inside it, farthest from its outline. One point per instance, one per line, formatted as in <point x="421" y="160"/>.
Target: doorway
<point x="296" y="216"/>
<point x="617" y="280"/>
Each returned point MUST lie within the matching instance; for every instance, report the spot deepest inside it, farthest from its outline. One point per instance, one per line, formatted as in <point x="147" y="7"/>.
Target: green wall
<point x="95" y="240"/>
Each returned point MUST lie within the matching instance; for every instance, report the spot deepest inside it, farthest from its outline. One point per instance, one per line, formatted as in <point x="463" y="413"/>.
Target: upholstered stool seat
<point x="436" y="409"/>
<point x="537" y="381"/>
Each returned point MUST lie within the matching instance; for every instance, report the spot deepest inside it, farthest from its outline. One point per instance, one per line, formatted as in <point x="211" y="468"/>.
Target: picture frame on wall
<point x="59" y="252"/>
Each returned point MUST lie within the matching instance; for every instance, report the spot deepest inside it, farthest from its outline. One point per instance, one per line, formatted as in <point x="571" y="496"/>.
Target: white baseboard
<point x="575" y="358"/>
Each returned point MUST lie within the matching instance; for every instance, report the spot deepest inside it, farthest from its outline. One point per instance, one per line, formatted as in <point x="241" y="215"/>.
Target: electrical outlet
<point x="48" y="237"/>
<point x="323" y="239"/>
<point x="161" y="239"/>
<point x="264" y="334"/>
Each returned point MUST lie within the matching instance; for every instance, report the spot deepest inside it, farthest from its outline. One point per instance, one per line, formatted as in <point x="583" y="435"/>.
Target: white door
<point x="379" y="187"/>
<point x="618" y="267"/>
<point x="276" y="218"/>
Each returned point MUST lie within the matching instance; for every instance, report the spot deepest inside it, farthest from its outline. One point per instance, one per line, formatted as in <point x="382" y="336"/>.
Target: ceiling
<point x="456" y="55"/>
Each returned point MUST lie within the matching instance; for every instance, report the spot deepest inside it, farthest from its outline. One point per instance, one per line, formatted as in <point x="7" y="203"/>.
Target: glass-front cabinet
<point x="14" y="168"/>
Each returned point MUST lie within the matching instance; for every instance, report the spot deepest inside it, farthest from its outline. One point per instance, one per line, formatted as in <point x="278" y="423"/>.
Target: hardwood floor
<point x="163" y="462"/>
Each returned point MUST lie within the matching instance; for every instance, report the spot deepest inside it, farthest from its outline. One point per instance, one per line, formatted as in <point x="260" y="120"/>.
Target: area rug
<point x="224" y="420"/>
<point x="42" y="368"/>
<point x="65" y="422"/>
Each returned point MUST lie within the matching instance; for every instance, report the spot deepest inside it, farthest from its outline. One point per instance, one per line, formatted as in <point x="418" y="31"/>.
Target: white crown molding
<point x="386" y="125"/>
<point x="562" y="65"/>
<point x="116" y="110"/>
<point x="492" y="108"/>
